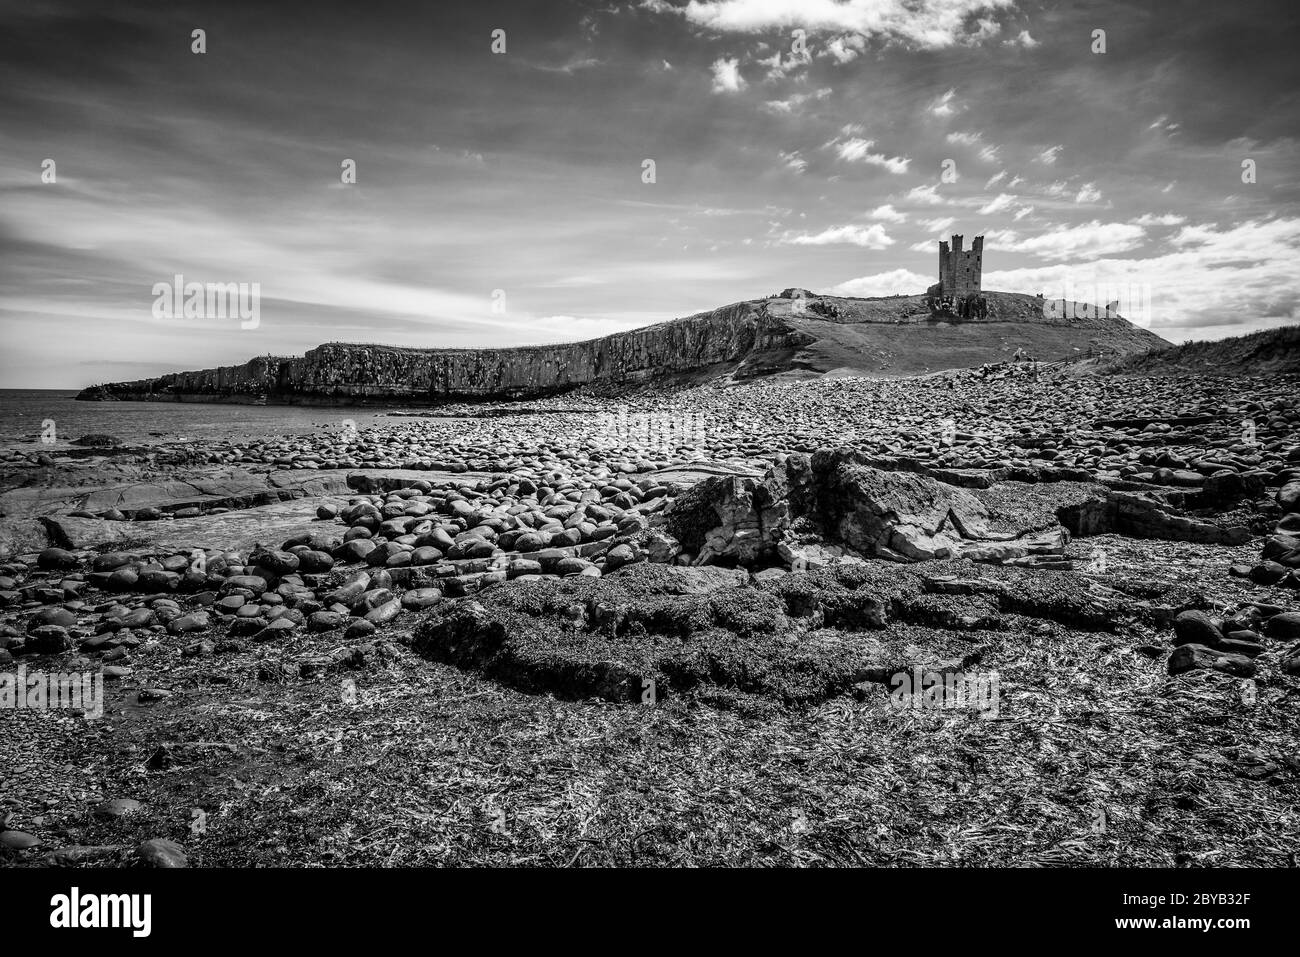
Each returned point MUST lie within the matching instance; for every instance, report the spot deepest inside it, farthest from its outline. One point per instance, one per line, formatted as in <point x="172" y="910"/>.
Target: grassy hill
<point x="896" y="336"/>
<point x="1273" y="350"/>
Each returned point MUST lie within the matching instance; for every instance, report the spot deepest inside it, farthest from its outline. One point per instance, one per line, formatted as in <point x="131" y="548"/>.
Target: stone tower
<point x="959" y="269"/>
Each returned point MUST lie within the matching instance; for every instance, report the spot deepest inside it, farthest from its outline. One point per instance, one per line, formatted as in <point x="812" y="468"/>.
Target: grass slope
<point x="1273" y="350"/>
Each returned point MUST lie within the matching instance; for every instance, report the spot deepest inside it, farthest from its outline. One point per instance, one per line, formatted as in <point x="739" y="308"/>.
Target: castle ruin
<point x="960" y="270"/>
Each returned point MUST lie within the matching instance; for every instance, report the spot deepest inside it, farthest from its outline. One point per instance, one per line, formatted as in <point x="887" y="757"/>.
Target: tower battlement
<point x="960" y="269"/>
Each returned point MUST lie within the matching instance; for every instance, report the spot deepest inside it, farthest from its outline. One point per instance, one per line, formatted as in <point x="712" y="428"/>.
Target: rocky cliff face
<point x="741" y="340"/>
<point x="723" y="341"/>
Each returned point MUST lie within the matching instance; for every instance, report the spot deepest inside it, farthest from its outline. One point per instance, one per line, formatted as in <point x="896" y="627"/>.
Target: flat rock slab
<point x="229" y="531"/>
<point x="699" y="471"/>
<point x="370" y="481"/>
<point x="224" y="489"/>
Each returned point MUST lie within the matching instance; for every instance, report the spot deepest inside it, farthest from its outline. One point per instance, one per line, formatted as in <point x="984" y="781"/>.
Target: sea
<point x="29" y="415"/>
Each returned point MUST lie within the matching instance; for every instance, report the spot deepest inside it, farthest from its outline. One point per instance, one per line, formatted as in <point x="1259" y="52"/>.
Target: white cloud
<point x="793" y="161"/>
<point x="1216" y="281"/>
<point x="857" y="150"/>
<point x="846" y="48"/>
<point x="926" y="195"/>
<point x="726" y="76"/>
<point x="871" y="237"/>
<point x="995" y="179"/>
<point x="1021" y="39"/>
<point x="964" y="138"/>
<point x="888" y="214"/>
<point x="796" y="100"/>
<point x="1049" y="155"/>
<point x="1022" y="212"/>
<point x="1165" y="219"/>
<point x="931" y="24"/>
<point x="1084" y="241"/>
<point x="1088" y="193"/>
<point x="942" y="105"/>
<point x="997" y="204"/>
<point x="778" y="67"/>
<point x="885" y="283"/>
<point x="940" y="225"/>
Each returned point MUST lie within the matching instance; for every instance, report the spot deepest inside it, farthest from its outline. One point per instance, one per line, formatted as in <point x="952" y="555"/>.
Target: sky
<point x="550" y="171"/>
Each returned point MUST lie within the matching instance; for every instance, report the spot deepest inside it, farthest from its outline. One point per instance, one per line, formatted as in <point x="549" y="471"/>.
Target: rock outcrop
<point x="798" y="336"/>
<point x="834" y="505"/>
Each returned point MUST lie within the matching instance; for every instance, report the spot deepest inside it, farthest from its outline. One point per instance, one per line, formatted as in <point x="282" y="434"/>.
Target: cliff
<point x="779" y="335"/>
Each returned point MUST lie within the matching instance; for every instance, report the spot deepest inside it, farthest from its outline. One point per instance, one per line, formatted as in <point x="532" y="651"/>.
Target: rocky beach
<point x="567" y="629"/>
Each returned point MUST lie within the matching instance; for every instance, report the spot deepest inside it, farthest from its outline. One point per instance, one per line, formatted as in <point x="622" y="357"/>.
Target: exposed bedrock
<point x="724" y="340"/>
<point x="809" y="511"/>
<point x="834" y="503"/>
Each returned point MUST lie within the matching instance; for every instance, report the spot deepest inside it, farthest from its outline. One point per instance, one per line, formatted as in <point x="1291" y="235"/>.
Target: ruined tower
<point x="959" y="269"/>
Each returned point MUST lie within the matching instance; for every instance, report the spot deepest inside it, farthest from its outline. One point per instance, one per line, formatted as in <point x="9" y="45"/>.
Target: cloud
<point x="1049" y="155"/>
<point x="726" y="76"/>
<point x="870" y="237"/>
<point x="988" y="153"/>
<point x="1021" y="39"/>
<point x="884" y="284"/>
<point x="995" y="179"/>
<point x="939" y="225"/>
<point x="997" y="204"/>
<point x="942" y="105"/>
<point x="1215" y="281"/>
<point x="929" y="24"/>
<point x="925" y="195"/>
<point x="793" y="161"/>
<point x="846" y="48"/>
<point x="570" y="66"/>
<point x="796" y="100"/>
<point x="857" y="150"/>
<point x="1165" y="219"/>
<point x="1088" y="193"/>
<point x="888" y="214"/>
<point x="1078" y="242"/>
<point x="777" y="68"/>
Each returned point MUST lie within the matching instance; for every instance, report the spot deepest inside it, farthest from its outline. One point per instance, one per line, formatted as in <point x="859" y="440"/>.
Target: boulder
<point x="1191" y="657"/>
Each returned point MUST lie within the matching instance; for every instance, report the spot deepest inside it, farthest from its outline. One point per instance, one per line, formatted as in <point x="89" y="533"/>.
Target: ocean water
<point x="24" y="412"/>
